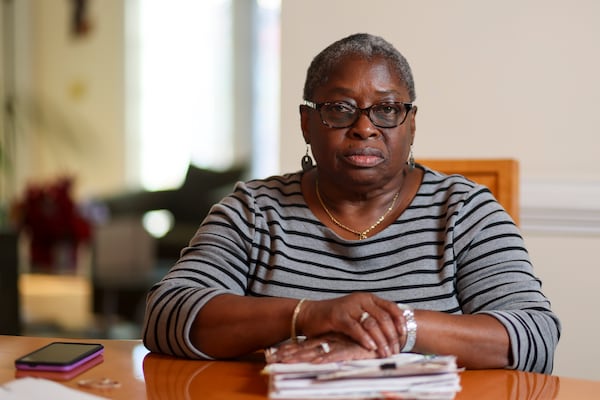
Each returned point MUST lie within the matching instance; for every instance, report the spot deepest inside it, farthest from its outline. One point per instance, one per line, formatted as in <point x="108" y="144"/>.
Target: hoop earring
<point x="411" y="159"/>
<point x="307" y="161"/>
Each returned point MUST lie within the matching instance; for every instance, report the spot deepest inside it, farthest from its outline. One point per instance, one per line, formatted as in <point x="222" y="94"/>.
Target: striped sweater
<point x="454" y="249"/>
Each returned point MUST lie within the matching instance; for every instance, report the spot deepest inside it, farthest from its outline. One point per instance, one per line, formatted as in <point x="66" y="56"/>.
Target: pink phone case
<point x="28" y="364"/>
<point x="60" y="375"/>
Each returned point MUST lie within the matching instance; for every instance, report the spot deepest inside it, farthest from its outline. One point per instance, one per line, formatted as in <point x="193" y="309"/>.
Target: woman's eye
<point x="342" y="108"/>
<point x="386" y="109"/>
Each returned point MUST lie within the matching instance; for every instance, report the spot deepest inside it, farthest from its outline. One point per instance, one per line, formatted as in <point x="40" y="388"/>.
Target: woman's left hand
<point x="331" y="347"/>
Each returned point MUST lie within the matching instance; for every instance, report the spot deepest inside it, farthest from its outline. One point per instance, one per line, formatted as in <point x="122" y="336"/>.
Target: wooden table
<point x="143" y="375"/>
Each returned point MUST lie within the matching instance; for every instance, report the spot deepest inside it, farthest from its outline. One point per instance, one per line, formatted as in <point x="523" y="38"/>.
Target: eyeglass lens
<point x="343" y="115"/>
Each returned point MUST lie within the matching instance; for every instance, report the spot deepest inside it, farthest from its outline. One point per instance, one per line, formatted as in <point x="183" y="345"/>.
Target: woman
<point x="365" y="254"/>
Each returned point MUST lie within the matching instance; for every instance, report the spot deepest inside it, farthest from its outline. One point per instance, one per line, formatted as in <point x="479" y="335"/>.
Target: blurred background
<point x="128" y="119"/>
<point x="122" y="123"/>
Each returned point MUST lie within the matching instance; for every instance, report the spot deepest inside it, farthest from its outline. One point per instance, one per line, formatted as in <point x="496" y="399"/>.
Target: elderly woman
<point x="364" y="254"/>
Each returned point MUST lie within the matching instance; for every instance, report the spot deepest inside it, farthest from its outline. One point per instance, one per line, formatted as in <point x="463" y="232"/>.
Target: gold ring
<point x="363" y="317"/>
<point x="102" y="383"/>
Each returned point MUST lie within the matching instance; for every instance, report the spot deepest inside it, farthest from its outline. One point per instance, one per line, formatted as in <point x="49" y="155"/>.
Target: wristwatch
<point x="411" y="327"/>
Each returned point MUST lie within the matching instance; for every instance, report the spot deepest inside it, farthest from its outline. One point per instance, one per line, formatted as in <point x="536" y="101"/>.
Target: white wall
<point x="71" y="95"/>
<point x="509" y="78"/>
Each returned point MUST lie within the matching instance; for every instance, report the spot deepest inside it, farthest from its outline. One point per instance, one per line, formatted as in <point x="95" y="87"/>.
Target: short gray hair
<point x="362" y="45"/>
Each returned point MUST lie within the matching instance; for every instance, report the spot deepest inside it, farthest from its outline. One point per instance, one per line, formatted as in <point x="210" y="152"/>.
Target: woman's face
<point x="362" y="155"/>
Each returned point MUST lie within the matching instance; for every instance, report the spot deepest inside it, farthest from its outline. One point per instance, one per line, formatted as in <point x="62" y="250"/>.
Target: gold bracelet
<point x="294" y="318"/>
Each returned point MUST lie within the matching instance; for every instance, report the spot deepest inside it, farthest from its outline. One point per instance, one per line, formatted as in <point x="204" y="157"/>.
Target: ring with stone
<point x="363" y="317"/>
<point x="324" y="346"/>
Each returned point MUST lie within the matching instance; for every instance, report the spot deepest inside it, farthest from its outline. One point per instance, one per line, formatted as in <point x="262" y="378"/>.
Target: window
<point x="195" y="91"/>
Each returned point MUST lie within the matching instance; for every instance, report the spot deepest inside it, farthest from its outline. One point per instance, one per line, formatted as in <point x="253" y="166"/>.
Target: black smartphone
<point x="59" y="356"/>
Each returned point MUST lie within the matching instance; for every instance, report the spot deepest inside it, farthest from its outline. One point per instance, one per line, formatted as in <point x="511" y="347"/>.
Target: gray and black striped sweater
<point x="454" y="249"/>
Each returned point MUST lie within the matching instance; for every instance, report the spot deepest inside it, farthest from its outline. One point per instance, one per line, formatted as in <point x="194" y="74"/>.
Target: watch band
<point x="411" y="327"/>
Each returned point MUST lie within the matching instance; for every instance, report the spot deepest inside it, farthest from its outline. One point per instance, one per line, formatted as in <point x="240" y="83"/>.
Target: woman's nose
<point x="363" y="127"/>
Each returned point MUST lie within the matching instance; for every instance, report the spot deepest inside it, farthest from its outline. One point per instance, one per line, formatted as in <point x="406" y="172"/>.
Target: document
<point x="37" y="388"/>
<point x="405" y="375"/>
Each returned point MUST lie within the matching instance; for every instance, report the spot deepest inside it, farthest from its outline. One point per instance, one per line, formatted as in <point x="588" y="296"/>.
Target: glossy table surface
<point x="143" y="375"/>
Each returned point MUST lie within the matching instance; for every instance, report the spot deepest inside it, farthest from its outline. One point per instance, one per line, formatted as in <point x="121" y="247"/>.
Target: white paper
<point x="399" y="359"/>
<point x="404" y="376"/>
<point x="38" y="388"/>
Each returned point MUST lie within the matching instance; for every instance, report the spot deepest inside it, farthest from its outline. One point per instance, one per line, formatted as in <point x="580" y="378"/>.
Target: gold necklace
<point x="361" y="235"/>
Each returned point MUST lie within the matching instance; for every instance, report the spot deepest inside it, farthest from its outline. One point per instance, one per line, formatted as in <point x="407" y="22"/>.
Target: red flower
<point x="51" y="218"/>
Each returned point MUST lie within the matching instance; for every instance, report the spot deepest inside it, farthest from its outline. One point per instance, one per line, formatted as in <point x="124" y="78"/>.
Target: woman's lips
<point x="364" y="157"/>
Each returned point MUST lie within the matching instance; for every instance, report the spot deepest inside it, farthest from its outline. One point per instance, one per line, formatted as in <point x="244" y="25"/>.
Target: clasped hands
<point x="356" y="326"/>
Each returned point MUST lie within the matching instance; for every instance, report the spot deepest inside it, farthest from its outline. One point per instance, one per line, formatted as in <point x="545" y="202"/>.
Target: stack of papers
<point x="406" y="376"/>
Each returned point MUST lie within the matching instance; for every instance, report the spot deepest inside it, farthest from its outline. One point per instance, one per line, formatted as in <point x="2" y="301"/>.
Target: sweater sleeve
<point x="495" y="276"/>
<point x="214" y="262"/>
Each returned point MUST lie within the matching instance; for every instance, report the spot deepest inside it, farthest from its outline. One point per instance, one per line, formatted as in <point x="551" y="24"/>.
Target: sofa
<point x="128" y="260"/>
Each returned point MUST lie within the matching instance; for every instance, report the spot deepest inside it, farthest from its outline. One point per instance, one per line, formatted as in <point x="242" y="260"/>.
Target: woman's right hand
<point x="378" y="330"/>
<point x="331" y="347"/>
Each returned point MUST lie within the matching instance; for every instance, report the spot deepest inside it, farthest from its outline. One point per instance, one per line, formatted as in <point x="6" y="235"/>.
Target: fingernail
<point x="270" y="355"/>
<point x="386" y="351"/>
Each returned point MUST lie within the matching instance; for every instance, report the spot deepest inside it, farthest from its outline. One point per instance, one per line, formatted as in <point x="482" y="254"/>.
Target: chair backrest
<point x="125" y="254"/>
<point x="500" y="175"/>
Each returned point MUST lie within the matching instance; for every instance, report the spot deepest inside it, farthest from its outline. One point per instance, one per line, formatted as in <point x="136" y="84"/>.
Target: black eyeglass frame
<point x="367" y="110"/>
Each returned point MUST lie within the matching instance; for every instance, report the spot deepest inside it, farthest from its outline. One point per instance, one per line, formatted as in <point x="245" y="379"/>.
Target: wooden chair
<point x="500" y="175"/>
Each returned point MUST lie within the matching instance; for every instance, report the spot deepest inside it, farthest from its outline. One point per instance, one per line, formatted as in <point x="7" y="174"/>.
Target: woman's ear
<point x="304" y="123"/>
<point x="412" y="120"/>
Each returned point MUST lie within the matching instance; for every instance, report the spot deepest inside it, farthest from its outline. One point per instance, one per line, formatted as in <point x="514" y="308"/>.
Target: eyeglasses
<point x="340" y="114"/>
